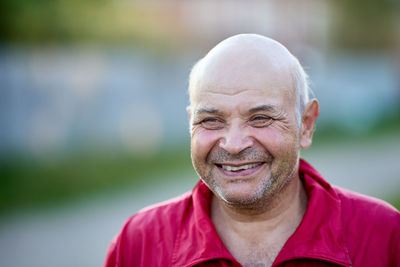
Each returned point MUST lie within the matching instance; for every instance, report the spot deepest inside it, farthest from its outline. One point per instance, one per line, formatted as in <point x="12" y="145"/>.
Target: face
<point x="244" y="133"/>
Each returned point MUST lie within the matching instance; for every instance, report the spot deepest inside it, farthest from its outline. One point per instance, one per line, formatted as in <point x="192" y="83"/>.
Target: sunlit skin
<point x="245" y="142"/>
<point x="245" y="127"/>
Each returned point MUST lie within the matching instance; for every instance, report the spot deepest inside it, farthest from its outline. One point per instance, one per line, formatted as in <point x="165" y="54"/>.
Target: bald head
<point x="243" y="59"/>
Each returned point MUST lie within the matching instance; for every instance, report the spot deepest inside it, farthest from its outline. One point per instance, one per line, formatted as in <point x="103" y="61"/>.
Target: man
<point x="258" y="203"/>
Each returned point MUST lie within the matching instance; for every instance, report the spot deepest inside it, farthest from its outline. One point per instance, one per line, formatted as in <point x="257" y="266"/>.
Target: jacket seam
<point x="342" y="228"/>
<point x="178" y="237"/>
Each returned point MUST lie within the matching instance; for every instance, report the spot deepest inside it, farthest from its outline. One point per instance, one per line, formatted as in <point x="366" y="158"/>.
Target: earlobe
<point x="308" y="120"/>
<point x="189" y="111"/>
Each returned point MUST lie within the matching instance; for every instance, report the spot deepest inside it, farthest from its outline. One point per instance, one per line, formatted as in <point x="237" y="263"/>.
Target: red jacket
<point x="339" y="228"/>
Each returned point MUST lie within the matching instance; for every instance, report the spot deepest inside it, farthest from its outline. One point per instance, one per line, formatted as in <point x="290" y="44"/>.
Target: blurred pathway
<point x="79" y="234"/>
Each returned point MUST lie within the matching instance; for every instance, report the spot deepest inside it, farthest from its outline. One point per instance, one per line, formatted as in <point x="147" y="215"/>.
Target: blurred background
<point x="93" y="124"/>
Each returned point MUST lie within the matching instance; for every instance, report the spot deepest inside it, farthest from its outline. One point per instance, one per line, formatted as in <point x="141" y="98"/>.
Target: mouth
<point x="239" y="170"/>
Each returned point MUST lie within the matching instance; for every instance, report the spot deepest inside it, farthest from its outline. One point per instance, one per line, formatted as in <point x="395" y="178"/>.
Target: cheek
<point x="202" y="142"/>
<point x="274" y="140"/>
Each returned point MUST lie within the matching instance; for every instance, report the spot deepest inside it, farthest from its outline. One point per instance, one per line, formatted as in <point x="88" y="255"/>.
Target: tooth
<point x="243" y="167"/>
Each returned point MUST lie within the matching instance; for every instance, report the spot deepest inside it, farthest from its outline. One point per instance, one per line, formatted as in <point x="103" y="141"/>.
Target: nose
<point x="235" y="140"/>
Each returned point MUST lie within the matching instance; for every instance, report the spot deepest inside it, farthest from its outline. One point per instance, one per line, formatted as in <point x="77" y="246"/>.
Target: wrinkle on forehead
<point x="236" y="92"/>
<point x="230" y="92"/>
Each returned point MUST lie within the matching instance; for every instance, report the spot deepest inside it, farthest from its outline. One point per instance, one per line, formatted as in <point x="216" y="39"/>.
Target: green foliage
<point x="395" y="201"/>
<point x="55" y="22"/>
<point x="366" y="24"/>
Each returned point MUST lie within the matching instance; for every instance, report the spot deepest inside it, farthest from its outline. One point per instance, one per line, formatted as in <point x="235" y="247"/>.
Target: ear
<point x="189" y="111"/>
<point x="308" y="119"/>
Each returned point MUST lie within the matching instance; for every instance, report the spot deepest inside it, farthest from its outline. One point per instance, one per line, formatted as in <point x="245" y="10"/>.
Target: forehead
<point x="240" y="101"/>
<point x="244" y="85"/>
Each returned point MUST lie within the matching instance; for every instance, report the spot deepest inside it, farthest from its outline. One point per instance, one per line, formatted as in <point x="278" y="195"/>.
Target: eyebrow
<point x="207" y="110"/>
<point x="267" y="108"/>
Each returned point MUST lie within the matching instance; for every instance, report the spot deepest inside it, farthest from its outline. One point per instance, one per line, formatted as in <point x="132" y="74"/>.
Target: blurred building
<point x="76" y="74"/>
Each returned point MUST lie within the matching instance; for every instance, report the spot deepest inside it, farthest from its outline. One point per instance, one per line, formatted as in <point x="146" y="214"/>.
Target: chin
<point x="240" y="200"/>
<point x="241" y="194"/>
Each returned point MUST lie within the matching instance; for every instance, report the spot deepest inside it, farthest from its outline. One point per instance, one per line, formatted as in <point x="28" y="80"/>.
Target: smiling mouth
<point x="239" y="168"/>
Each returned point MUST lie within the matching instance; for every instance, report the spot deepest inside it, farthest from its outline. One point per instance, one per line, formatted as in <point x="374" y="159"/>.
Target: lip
<point x="241" y="173"/>
<point x="236" y="164"/>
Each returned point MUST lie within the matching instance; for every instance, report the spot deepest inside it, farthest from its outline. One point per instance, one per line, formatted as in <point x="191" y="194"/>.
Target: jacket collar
<point x="197" y="240"/>
<point x="319" y="236"/>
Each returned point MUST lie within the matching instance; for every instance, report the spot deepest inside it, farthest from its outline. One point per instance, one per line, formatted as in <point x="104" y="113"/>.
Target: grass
<point x="395" y="200"/>
<point x="334" y="133"/>
<point x="27" y="181"/>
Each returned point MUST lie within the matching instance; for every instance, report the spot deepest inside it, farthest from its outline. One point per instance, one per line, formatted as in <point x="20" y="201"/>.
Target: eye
<point x="260" y="121"/>
<point x="212" y="123"/>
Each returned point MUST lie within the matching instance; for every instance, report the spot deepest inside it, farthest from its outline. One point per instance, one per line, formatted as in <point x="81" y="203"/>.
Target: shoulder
<point x="159" y="215"/>
<point x="362" y="208"/>
<point x="151" y="231"/>
<point x="371" y="227"/>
